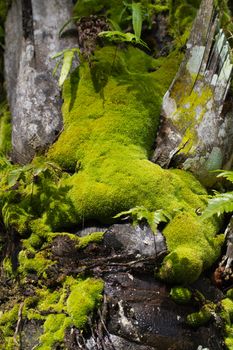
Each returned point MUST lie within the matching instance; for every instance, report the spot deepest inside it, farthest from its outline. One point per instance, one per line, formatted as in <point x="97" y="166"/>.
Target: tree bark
<point x="196" y="129"/>
<point x="31" y="39"/>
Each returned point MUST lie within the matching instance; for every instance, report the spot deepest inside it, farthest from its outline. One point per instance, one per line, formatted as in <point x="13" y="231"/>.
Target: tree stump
<point x="196" y="129"/>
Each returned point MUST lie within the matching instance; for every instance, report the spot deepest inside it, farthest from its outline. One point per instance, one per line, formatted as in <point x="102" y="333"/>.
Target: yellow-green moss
<point x="180" y="295"/>
<point x="8" y="321"/>
<point x="69" y="305"/>
<point x="33" y="262"/>
<point x="227" y="315"/>
<point x="193" y="247"/>
<point x="94" y="237"/>
<point x="108" y="137"/>
<point x="7" y="267"/>
<point x="200" y="318"/>
<point x="83" y="298"/>
<point x="5" y="129"/>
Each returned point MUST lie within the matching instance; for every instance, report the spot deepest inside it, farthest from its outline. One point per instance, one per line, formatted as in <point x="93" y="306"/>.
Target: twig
<point x="18" y="324"/>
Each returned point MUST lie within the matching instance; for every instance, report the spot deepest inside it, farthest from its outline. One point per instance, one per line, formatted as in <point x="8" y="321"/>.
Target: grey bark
<point x="196" y="132"/>
<point x="32" y="29"/>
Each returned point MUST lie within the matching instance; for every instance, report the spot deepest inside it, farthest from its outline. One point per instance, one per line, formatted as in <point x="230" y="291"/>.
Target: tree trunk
<point x="31" y="40"/>
<point x="196" y="129"/>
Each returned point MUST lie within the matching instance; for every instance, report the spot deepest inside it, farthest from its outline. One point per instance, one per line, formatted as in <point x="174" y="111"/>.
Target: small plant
<point x="66" y="58"/>
<point x="221" y="202"/>
<point x="119" y="36"/>
<point x="139" y="214"/>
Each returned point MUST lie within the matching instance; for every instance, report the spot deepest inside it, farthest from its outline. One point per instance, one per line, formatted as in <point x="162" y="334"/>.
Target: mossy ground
<point x="68" y="306"/>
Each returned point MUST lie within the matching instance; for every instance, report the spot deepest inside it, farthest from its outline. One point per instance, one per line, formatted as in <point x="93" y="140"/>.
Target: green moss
<point x="33" y="263"/>
<point x="7" y="267"/>
<point x="111" y="139"/>
<point x="8" y="321"/>
<point x="69" y="305"/>
<point x="180" y="295"/>
<point x="94" y="237"/>
<point x="200" y="318"/>
<point x="82" y="300"/>
<point x="193" y="247"/>
<point x="54" y="331"/>
<point x="227" y="313"/>
<point x="5" y="129"/>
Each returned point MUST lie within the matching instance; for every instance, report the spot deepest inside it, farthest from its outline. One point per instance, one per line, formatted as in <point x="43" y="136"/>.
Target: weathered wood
<point x="196" y="131"/>
<point x="31" y="39"/>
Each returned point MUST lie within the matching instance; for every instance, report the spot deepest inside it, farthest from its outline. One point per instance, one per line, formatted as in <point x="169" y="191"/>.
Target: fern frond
<point x="221" y="203"/>
<point x="118" y="37"/>
<point x="227" y="174"/>
<point x="153" y="218"/>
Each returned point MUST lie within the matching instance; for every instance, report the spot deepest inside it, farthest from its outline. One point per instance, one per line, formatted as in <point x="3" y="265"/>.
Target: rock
<point x="142" y="316"/>
<point x="32" y="38"/>
<point x="196" y="130"/>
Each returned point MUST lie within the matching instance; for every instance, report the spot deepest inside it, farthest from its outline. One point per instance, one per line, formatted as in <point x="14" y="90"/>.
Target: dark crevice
<point x="27" y="20"/>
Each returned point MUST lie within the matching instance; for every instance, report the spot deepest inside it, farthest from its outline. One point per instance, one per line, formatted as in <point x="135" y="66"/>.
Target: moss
<point x="200" y="318"/>
<point x="193" y="247"/>
<point x="36" y="263"/>
<point x="5" y="129"/>
<point x="94" y="237"/>
<point x="227" y="313"/>
<point x="8" y="321"/>
<point x="83" y="299"/>
<point x="111" y="140"/>
<point x="114" y="9"/>
<point x="69" y="305"/>
<point x="180" y="295"/>
<point x="8" y="268"/>
<point x="54" y="330"/>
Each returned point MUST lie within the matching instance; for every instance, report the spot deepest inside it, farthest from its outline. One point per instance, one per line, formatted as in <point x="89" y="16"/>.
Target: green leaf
<point x="66" y="24"/>
<point x="66" y="66"/>
<point x="13" y="177"/>
<point x="56" y="67"/>
<point x="221" y="203"/>
<point x="137" y="19"/>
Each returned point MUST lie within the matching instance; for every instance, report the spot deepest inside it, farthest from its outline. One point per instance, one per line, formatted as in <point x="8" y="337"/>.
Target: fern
<point x="228" y="174"/>
<point x="138" y="214"/>
<point x="119" y="37"/>
<point x="221" y="203"/>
